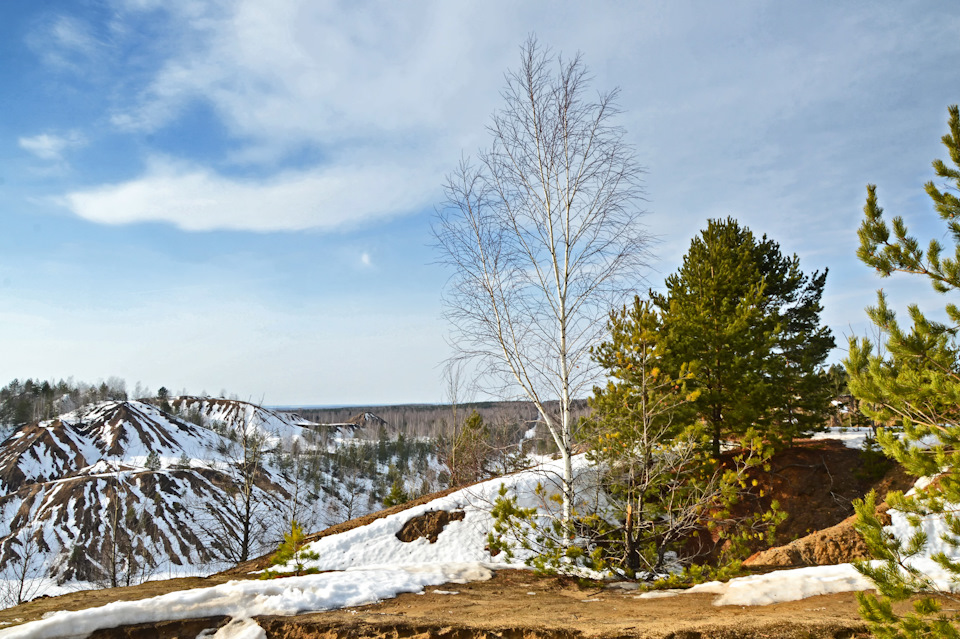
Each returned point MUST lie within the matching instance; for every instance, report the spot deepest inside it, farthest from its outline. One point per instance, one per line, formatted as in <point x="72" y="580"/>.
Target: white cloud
<point x="65" y="42"/>
<point x="365" y="259"/>
<point x="288" y="73"/>
<point x="196" y="199"/>
<point x="379" y="93"/>
<point x="47" y="146"/>
<point x="769" y="98"/>
<point x="400" y="91"/>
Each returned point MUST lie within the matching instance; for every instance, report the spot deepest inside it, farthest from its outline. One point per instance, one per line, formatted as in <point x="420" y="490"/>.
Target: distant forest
<point x="431" y="420"/>
<point x="22" y="402"/>
<point x="34" y="400"/>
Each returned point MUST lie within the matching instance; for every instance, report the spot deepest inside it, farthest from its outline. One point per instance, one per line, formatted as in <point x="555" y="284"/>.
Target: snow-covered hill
<point x="366" y="564"/>
<point x="277" y="427"/>
<point x="121" y="491"/>
<point x="82" y="442"/>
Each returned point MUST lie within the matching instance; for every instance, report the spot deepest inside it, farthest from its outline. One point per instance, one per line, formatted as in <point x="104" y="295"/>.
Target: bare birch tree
<point x="21" y="577"/>
<point x="452" y="441"/>
<point x="245" y="523"/>
<point x="543" y="236"/>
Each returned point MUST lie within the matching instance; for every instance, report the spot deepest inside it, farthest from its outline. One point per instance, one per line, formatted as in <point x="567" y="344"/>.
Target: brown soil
<point x="835" y="545"/>
<point x="813" y="490"/>
<point x="163" y="630"/>
<point x="516" y="604"/>
<point x="519" y="605"/>
<point x="816" y="481"/>
<point x="838" y="544"/>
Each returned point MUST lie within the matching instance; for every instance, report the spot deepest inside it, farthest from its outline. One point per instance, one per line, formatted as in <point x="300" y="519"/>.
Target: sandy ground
<point x="517" y="603"/>
<point x="514" y="604"/>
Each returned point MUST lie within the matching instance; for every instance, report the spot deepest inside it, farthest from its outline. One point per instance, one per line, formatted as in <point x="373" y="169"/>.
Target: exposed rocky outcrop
<point x="429" y="525"/>
<point x="367" y="420"/>
<point x="205" y="627"/>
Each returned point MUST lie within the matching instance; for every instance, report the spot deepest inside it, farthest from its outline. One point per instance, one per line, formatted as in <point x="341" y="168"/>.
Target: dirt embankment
<point x="816" y="481"/>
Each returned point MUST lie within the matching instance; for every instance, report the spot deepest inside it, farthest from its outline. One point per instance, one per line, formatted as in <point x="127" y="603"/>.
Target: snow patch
<point x="244" y="599"/>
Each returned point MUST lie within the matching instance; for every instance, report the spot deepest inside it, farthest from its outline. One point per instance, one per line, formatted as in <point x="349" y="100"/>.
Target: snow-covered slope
<point x="121" y="491"/>
<point x="365" y="564"/>
<point x="123" y="433"/>
<point x="79" y="490"/>
<point x="276" y="426"/>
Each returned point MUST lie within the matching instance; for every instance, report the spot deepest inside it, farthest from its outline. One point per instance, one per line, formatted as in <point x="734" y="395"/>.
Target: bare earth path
<point x="518" y="604"/>
<point x="515" y="604"/>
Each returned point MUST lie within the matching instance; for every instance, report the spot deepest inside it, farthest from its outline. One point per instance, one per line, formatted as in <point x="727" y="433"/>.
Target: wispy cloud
<point x="51" y="147"/>
<point x="65" y="43"/>
<point x="394" y="87"/>
<point x="289" y="73"/>
<point x="374" y="97"/>
<point x="194" y="198"/>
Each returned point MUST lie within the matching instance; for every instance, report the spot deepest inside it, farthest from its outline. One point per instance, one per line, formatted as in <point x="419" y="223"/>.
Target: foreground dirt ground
<point x="514" y="604"/>
<point x="519" y="604"/>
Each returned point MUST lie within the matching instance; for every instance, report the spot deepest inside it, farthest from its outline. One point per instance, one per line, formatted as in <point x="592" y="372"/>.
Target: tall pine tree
<point x="913" y="382"/>
<point x="749" y="320"/>
<point x="802" y="388"/>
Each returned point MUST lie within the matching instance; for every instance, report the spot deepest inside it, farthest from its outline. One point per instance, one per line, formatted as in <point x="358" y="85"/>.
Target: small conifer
<point x="183" y="462"/>
<point x="397" y="495"/>
<point x="910" y="384"/>
<point x="291" y="552"/>
<point x="153" y="461"/>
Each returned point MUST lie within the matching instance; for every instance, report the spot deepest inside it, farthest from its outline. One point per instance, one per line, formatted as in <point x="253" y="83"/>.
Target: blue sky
<point x="238" y="195"/>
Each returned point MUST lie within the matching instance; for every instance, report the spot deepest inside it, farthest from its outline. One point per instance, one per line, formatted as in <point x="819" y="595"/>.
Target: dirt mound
<point x="838" y="544"/>
<point x="816" y="481"/>
<point x="430" y="524"/>
<point x="834" y="545"/>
